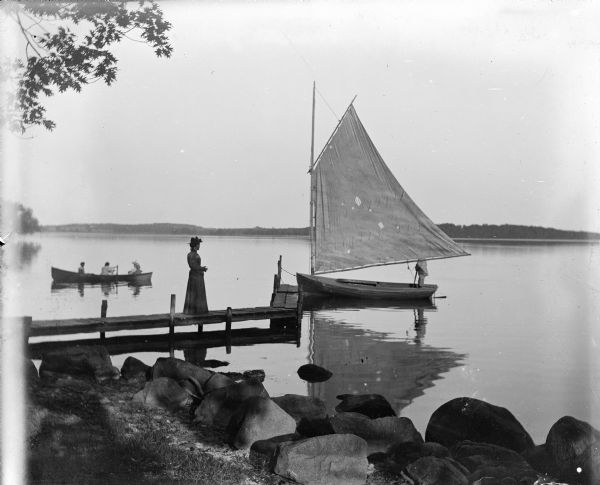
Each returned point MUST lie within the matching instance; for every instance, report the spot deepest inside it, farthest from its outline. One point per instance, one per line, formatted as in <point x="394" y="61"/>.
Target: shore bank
<point x="177" y="422"/>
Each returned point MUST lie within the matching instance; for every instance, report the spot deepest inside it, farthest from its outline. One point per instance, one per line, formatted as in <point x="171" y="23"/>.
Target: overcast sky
<point x="486" y="112"/>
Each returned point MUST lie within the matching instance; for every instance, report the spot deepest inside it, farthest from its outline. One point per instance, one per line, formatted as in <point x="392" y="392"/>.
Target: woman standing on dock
<point x="195" y="295"/>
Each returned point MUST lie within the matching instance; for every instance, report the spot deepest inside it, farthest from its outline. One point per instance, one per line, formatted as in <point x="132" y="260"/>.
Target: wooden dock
<point x="39" y="328"/>
<point x="285" y="306"/>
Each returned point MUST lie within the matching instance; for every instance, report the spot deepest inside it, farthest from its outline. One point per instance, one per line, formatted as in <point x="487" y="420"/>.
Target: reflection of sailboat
<point x="420" y="325"/>
<point x="323" y="302"/>
<point x="361" y="217"/>
<point x="366" y="361"/>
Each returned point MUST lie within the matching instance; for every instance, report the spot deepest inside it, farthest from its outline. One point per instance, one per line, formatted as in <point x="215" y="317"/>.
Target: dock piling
<point x="278" y="273"/>
<point x="27" y="327"/>
<point x="103" y="309"/>
<point x="299" y="318"/>
<point x="171" y="325"/>
<point x="228" y="318"/>
<point x="276" y="281"/>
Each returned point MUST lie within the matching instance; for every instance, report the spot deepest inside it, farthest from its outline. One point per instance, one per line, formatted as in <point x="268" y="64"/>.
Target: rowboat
<point x="360" y="217"/>
<point x="63" y="276"/>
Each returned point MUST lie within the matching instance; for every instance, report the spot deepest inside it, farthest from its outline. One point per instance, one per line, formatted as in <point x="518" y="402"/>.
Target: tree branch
<point x="26" y="35"/>
<point x="134" y="40"/>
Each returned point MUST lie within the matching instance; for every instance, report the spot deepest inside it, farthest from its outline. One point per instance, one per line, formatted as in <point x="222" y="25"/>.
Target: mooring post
<point x="103" y="308"/>
<point x="172" y="326"/>
<point x="279" y="272"/>
<point x="228" y="317"/>
<point x="299" y="319"/>
<point x="274" y="290"/>
<point x="27" y="328"/>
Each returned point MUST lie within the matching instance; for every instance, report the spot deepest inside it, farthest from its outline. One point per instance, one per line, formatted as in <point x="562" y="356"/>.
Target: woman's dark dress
<point x="195" y="295"/>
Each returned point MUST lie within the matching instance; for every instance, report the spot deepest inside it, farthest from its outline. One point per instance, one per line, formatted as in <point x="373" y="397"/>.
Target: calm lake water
<point x="518" y="327"/>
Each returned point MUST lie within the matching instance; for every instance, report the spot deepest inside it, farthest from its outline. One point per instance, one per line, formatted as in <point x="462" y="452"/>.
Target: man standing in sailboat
<point x="421" y="269"/>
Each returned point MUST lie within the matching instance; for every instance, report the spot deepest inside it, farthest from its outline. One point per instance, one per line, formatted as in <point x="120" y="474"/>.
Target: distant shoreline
<point x="474" y="232"/>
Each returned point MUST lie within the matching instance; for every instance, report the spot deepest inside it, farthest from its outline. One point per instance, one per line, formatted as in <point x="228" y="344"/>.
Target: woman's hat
<point x="195" y="241"/>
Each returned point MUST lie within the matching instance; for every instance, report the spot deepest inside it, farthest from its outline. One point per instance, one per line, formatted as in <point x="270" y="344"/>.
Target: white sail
<point x="362" y="216"/>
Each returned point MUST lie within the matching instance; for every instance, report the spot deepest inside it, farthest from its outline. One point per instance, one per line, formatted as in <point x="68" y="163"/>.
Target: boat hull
<point x="364" y="289"/>
<point x="62" y="276"/>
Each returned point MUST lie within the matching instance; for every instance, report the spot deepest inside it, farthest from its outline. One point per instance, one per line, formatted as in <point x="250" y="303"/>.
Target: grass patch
<point x="87" y="433"/>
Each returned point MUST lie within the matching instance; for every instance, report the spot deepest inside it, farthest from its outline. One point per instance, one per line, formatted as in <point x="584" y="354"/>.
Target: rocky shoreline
<point x="232" y="419"/>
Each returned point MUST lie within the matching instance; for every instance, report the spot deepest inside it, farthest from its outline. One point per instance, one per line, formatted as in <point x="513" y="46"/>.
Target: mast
<point x="313" y="187"/>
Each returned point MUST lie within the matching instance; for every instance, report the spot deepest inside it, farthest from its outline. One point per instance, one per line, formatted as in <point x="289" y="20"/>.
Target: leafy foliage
<point x="20" y="218"/>
<point x="67" y="46"/>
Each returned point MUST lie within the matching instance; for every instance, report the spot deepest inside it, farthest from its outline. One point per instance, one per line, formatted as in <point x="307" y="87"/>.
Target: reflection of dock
<point x="180" y="341"/>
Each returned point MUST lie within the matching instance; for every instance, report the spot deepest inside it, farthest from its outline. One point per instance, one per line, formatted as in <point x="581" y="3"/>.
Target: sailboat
<point x="360" y="216"/>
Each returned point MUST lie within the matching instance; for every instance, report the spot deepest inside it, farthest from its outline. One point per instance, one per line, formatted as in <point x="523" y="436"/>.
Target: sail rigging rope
<point x="327" y="104"/>
<point x="306" y="63"/>
<point x="291" y="274"/>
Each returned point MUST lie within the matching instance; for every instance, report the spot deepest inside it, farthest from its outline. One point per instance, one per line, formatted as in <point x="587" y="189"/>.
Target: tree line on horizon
<point x="471" y="231"/>
<point x="512" y="231"/>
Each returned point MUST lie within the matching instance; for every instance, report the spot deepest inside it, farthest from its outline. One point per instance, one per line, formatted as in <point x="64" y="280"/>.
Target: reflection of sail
<point x="364" y="361"/>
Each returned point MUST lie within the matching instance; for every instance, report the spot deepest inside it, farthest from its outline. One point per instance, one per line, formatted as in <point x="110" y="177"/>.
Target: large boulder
<point x="263" y="452"/>
<point x="257" y="374"/>
<point x="402" y="454"/>
<point x="470" y="419"/>
<point x="81" y="360"/>
<point x="371" y="405"/>
<point x="163" y="392"/>
<point x="179" y="370"/>
<point x="430" y="470"/>
<point x="574" y="449"/>
<point x="259" y="418"/>
<point x="216" y="381"/>
<point x="336" y="459"/>
<point x="300" y="407"/>
<point x="313" y="373"/>
<point x="218" y="407"/>
<point x="540" y="460"/>
<point x="310" y="427"/>
<point x="379" y="433"/>
<point x="492" y="461"/>
<point x="133" y="368"/>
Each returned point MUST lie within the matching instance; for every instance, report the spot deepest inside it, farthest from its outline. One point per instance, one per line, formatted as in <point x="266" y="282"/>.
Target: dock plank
<point x="284" y="288"/>
<point x="133" y="322"/>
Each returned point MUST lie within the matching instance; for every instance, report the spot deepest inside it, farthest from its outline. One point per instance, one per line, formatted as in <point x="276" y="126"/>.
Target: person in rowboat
<point x="107" y="269"/>
<point x="81" y="269"/>
<point x="421" y="269"/>
<point x="137" y="269"/>
<point x="195" y="295"/>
